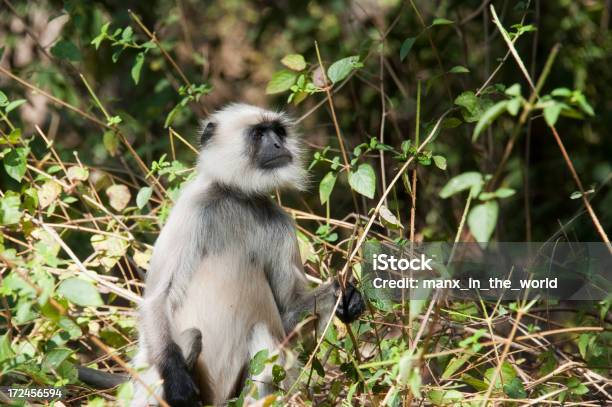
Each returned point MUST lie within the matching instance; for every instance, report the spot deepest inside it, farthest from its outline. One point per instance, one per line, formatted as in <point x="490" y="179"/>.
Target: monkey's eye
<point x="258" y="133"/>
<point x="280" y="131"/>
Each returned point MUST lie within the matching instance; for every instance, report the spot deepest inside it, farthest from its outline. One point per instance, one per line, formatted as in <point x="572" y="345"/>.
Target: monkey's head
<point x="251" y="149"/>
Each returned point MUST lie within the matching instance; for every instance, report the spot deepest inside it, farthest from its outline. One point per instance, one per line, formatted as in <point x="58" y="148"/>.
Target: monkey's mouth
<point x="276" y="162"/>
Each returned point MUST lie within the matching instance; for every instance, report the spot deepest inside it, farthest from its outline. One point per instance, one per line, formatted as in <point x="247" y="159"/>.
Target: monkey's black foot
<point x="179" y="388"/>
<point x="351" y="304"/>
<point x="181" y="391"/>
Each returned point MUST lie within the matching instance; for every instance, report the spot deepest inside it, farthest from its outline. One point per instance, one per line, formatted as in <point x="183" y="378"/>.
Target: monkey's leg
<point x="190" y="344"/>
<point x="259" y="339"/>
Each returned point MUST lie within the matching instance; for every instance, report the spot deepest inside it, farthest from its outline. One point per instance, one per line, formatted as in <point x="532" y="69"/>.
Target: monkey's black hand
<point x="179" y="388"/>
<point x="351" y="304"/>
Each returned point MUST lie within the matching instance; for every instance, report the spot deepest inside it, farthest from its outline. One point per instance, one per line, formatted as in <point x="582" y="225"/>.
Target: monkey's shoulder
<point x="226" y="207"/>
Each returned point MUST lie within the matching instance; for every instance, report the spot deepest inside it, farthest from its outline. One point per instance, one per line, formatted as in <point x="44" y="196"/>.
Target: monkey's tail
<point x="99" y="379"/>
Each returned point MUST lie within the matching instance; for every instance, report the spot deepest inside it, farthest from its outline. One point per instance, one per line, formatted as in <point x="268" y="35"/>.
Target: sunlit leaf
<point x="119" y="196"/>
<point x="143" y="196"/>
<point x="15" y="162"/>
<point x="294" y="62"/>
<point x="460" y="183"/>
<point x="482" y="220"/>
<point x="281" y="81"/>
<point x="10" y="213"/>
<point x="552" y="112"/>
<point x="342" y="68"/>
<point x="77" y="173"/>
<point x="441" y="21"/>
<point x="258" y="363"/>
<point x="363" y="180"/>
<point x="326" y="187"/>
<point x="80" y="292"/>
<point x="439" y="161"/>
<point x="137" y="67"/>
<point x="459" y="69"/>
<point x="14" y="105"/>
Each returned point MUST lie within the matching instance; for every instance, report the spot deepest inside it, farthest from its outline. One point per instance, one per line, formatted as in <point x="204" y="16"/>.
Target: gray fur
<point x="227" y="263"/>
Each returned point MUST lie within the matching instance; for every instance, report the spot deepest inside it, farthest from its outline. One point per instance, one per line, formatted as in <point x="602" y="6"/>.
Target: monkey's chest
<point x="230" y="287"/>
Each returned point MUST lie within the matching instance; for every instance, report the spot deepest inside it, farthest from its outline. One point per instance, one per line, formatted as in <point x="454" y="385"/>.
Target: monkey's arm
<point x="167" y="356"/>
<point x="295" y="299"/>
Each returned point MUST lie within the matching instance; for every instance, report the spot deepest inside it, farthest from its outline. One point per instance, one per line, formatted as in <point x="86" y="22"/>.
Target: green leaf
<point x="460" y="183"/>
<point x="65" y="49"/>
<point x="258" y="363"/>
<point x="514" y="90"/>
<point x="143" y="196"/>
<point x="482" y="220"/>
<point x="451" y="123"/>
<point x="506" y="372"/>
<point x="127" y="33"/>
<point x="6" y="351"/>
<point x="100" y="37"/>
<point x="388" y="218"/>
<point x="468" y="100"/>
<point x="488" y="117"/>
<point x="441" y="21"/>
<point x="137" y="67"/>
<point x="171" y="115"/>
<point x="3" y="99"/>
<point x="55" y="357"/>
<point x="406" y="47"/>
<point x="478" y="384"/>
<point x="440" y="162"/>
<point x="15" y="162"/>
<point x="576" y="387"/>
<point x="561" y="92"/>
<point x="583" y="343"/>
<point x="551" y="113"/>
<point x="294" y="62"/>
<point x="363" y="180"/>
<point x="111" y="142"/>
<point x="14" y="105"/>
<point x="582" y="102"/>
<point x="504" y="192"/>
<point x="515" y="389"/>
<point x="326" y="186"/>
<point x="125" y="393"/>
<point x="514" y="105"/>
<point x="80" y="292"/>
<point x="278" y="374"/>
<point x="459" y="69"/>
<point x="342" y="68"/>
<point x="473" y="106"/>
<point x="281" y="81"/>
<point x="444" y="397"/>
<point x="454" y="365"/>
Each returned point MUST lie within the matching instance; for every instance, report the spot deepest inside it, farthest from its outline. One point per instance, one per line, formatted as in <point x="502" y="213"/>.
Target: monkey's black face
<point x="269" y="148"/>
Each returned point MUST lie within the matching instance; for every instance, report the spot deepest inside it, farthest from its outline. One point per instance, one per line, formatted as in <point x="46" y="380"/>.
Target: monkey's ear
<point x="207" y="132"/>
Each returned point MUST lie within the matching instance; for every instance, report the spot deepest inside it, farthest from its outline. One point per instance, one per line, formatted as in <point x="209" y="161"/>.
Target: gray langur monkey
<point x="226" y="279"/>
